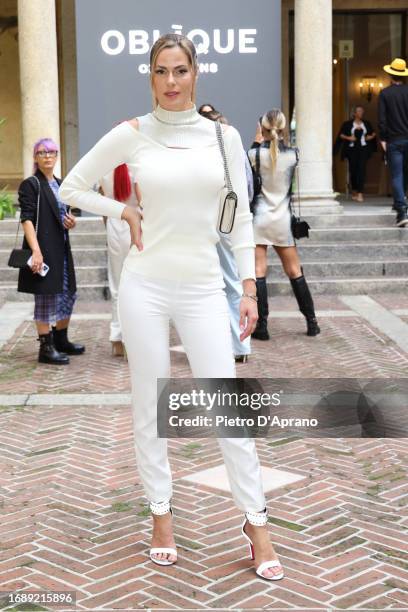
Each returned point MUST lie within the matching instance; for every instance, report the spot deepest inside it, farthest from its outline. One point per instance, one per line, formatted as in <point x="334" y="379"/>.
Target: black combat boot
<point x="62" y="343"/>
<point x="48" y="353"/>
<point x="261" y="330"/>
<point x="305" y="302"/>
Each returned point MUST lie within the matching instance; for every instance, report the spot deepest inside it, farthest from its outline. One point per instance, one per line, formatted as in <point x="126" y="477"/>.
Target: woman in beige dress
<point x="272" y="219"/>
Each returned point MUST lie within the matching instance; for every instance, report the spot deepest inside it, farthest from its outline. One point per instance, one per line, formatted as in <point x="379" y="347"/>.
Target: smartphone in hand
<point x="44" y="270"/>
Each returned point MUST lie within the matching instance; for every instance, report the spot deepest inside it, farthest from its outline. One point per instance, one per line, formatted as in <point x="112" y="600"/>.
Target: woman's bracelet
<point x="253" y="296"/>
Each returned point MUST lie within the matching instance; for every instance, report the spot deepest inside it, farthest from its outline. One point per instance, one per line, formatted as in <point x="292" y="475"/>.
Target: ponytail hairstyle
<point x="274" y="122"/>
<point x="169" y="41"/>
<point x="122" y="185"/>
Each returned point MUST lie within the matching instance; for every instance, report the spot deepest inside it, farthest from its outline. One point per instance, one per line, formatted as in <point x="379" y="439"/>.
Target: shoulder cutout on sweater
<point x="134" y="123"/>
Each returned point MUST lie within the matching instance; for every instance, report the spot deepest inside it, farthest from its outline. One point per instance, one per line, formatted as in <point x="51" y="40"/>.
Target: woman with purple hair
<point x="46" y="234"/>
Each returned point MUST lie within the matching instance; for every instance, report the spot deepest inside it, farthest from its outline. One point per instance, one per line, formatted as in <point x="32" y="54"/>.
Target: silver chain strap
<point x="38" y="213"/>
<point x="298" y="185"/>
<point x="220" y="140"/>
<point x="38" y="205"/>
<point x="297" y="179"/>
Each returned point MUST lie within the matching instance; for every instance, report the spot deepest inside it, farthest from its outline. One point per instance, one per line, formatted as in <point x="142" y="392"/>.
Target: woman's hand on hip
<point x="36" y="262"/>
<point x="248" y="310"/>
<point x="134" y="216"/>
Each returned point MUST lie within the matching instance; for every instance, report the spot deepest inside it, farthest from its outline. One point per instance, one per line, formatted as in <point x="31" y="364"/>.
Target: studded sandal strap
<point x="168" y="551"/>
<point x="257" y="518"/>
<point x="268" y="565"/>
<point x="160" y="508"/>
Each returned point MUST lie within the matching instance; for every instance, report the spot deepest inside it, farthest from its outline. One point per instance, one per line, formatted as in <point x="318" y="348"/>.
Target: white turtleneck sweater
<point x="179" y="169"/>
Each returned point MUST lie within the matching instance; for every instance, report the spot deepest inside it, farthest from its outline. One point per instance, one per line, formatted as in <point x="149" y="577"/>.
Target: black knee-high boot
<point x="261" y="330"/>
<point x="305" y="302"/>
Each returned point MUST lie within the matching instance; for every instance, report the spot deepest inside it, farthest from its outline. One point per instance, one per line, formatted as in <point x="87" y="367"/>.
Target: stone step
<point x="355" y="220"/>
<point x="352" y="234"/>
<point x="92" y="293"/>
<point x="84" y="224"/>
<point x="83" y="256"/>
<point x="320" y="236"/>
<point x="351" y="220"/>
<point x="345" y="269"/>
<point x="77" y="239"/>
<point x="361" y="251"/>
<point x="344" y="286"/>
<point x="85" y="275"/>
<point x="314" y="270"/>
<point x="328" y="286"/>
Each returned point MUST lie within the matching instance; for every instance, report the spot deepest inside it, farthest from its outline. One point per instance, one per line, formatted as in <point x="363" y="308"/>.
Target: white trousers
<point x="233" y="291"/>
<point x="118" y="239"/>
<point x="200" y="315"/>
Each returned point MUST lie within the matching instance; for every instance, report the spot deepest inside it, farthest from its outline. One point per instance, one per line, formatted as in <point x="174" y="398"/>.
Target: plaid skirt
<point x="53" y="308"/>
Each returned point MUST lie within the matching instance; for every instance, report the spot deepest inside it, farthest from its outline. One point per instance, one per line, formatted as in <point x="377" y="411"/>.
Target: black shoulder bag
<point x="256" y="179"/>
<point x="19" y="257"/>
<point x="300" y="227"/>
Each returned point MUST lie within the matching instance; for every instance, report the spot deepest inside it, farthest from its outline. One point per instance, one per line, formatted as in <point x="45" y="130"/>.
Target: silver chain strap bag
<point x="228" y="197"/>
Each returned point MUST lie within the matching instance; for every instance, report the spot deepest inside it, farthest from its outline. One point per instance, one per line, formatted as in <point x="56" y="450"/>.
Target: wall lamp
<point x="369" y="85"/>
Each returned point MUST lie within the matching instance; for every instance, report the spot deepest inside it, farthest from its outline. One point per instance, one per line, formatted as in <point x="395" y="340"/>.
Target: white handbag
<point x="228" y="197"/>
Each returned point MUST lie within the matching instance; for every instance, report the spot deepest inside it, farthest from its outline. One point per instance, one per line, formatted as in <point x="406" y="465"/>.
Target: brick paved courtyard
<point x="73" y="514"/>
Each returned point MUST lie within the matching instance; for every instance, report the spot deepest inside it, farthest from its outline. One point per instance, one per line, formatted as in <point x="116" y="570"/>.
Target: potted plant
<point x="6" y="203"/>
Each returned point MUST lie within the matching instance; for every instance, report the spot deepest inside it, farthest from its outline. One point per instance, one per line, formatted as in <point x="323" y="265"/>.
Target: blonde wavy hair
<point x="168" y="41"/>
<point x="274" y="122"/>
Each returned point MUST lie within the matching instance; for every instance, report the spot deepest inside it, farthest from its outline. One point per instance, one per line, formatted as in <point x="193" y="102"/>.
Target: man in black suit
<point x="393" y="127"/>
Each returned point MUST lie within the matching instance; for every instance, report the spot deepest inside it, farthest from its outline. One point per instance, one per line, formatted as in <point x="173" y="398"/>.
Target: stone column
<point x="38" y="76"/>
<point x="68" y="83"/>
<point x="313" y="99"/>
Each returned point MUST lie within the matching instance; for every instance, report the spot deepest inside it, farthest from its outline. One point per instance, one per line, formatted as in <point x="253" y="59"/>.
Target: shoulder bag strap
<point x="38" y="212"/>
<point x="258" y="159"/>
<point x="38" y="204"/>
<point x="18" y="227"/>
<point x="220" y="140"/>
<point x="297" y="178"/>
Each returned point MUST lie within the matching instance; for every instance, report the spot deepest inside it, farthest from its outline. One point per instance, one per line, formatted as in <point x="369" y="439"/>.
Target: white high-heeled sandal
<point x="160" y="508"/>
<point x="259" y="519"/>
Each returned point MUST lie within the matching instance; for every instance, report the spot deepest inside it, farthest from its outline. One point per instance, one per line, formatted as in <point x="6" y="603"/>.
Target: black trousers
<point x="357" y="159"/>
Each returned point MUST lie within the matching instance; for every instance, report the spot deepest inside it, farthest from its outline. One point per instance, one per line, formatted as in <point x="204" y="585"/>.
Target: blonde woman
<point x="172" y="272"/>
<point x="272" y="219"/>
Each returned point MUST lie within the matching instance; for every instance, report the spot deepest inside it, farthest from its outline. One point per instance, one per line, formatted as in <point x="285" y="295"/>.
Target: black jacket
<point x="50" y="237"/>
<point x="393" y="112"/>
<point x="343" y="145"/>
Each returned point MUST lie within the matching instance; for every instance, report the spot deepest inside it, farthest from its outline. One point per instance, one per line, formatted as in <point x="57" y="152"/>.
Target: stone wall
<point x="10" y="104"/>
